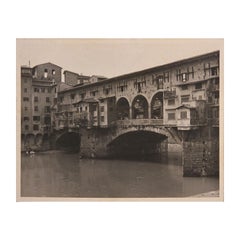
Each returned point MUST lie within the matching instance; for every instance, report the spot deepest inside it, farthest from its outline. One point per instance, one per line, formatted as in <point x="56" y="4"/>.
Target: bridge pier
<point x="201" y="152"/>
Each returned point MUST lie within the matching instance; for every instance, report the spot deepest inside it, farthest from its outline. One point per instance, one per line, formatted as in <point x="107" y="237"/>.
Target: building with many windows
<point x="182" y="94"/>
<point x="39" y="87"/>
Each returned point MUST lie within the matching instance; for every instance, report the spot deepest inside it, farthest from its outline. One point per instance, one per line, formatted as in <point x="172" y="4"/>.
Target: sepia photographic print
<point x="119" y="119"/>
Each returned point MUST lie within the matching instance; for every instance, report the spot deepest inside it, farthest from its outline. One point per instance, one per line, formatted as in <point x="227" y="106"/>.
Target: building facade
<point x="39" y="87"/>
<point x="172" y="103"/>
<point x="183" y="94"/>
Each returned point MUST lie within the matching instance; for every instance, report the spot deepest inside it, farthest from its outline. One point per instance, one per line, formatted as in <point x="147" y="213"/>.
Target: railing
<point x="138" y="122"/>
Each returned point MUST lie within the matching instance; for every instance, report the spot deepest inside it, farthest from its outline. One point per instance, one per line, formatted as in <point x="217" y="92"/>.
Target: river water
<point x="59" y="174"/>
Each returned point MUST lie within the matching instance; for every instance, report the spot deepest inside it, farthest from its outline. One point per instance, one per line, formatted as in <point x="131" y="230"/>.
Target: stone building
<point x="39" y="87"/>
<point x="184" y="94"/>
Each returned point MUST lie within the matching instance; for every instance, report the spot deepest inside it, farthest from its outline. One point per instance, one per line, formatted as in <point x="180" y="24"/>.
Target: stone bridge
<point x="128" y="138"/>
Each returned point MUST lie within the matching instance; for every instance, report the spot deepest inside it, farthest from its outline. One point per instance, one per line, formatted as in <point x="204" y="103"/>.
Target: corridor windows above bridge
<point x="93" y="93"/>
<point x="185" y="75"/>
<point x="122" y="86"/>
<point x="159" y="82"/>
<point x="107" y="89"/>
<point x="139" y="84"/>
<point x="45" y="73"/>
<point x="214" y="71"/>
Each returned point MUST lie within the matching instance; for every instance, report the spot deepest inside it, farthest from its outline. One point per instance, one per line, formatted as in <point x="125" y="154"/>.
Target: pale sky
<point x="110" y="57"/>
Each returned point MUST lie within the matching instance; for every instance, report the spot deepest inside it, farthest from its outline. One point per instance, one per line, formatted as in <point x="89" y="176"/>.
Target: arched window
<point x="157" y="106"/>
<point x="140" y="107"/>
<point x="122" y="109"/>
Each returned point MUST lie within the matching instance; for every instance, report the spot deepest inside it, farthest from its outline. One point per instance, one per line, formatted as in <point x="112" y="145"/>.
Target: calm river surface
<point x="58" y="174"/>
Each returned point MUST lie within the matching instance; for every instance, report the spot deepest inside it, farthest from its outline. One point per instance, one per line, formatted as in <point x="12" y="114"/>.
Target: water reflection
<point x="57" y="174"/>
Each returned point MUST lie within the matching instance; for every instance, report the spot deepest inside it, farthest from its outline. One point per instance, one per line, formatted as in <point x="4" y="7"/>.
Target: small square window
<point x="198" y="86"/>
<point x="36" y="108"/>
<point x="102" y="118"/>
<point x="53" y="72"/>
<point x="35" y="127"/>
<point x="171" y="101"/>
<point x="183" y="115"/>
<point x="171" y="116"/>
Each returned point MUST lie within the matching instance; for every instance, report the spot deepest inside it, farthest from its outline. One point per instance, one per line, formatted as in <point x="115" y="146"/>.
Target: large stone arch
<point x="140" y="107"/>
<point x="157" y="105"/>
<point x="39" y="139"/>
<point x="122" y="108"/>
<point x="68" y="141"/>
<point x="30" y="140"/>
<point x="138" y="143"/>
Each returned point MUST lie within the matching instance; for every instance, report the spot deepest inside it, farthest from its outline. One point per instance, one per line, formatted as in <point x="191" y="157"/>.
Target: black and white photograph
<point x="120" y="119"/>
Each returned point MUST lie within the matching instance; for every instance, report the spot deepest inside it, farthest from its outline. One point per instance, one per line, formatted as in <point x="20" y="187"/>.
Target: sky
<point x="110" y="57"/>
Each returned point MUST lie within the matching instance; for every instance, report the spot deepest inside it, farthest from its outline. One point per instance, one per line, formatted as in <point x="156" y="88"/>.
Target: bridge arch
<point x="69" y="141"/>
<point x="140" y="143"/>
<point x="123" y="108"/>
<point x="140" y="107"/>
<point x="157" y="105"/>
<point x="38" y="139"/>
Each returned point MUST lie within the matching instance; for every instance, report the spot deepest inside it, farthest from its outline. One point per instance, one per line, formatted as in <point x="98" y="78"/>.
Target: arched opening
<point x="122" y="109"/>
<point x="69" y="142"/>
<point x="30" y="141"/>
<point x="157" y="106"/>
<point x="45" y="142"/>
<point x="139" y="145"/>
<point x="38" y="139"/>
<point x="140" y="107"/>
